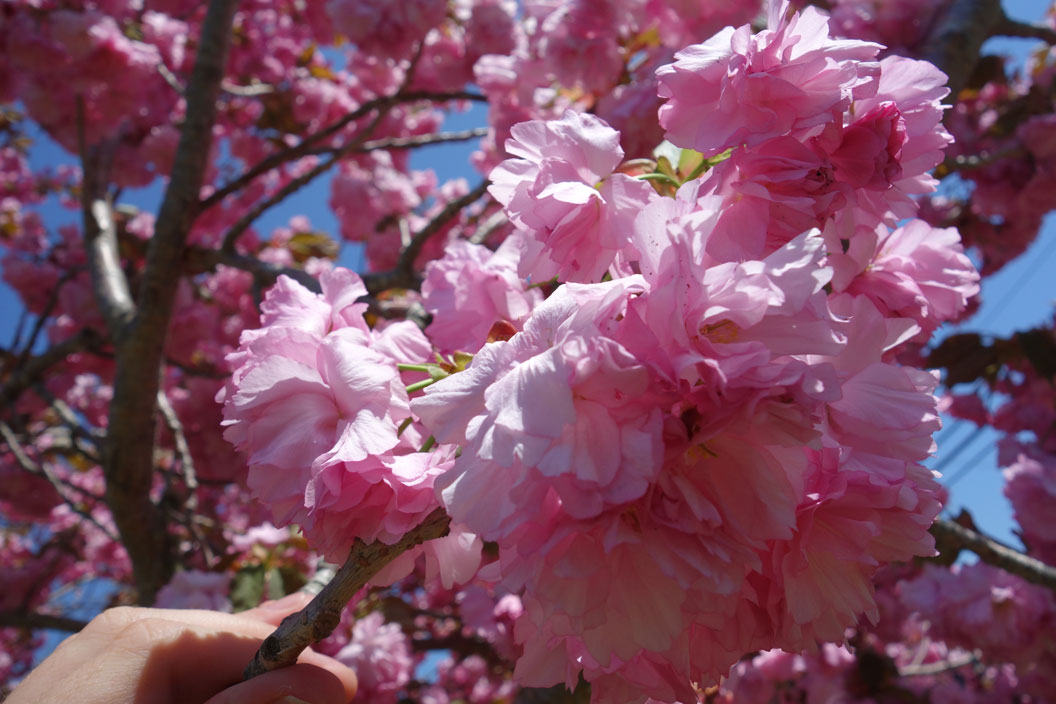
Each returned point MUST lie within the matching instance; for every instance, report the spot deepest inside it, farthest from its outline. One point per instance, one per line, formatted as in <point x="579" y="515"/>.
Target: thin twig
<point x="937" y="668"/>
<point x="494" y="222"/>
<point x="418" y="140"/>
<point x="994" y="553"/>
<point x="34" y="368"/>
<point x="403" y="274"/>
<point x="318" y="619"/>
<point x="170" y="78"/>
<point x="70" y="420"/>
<point x="294" y="185"/>
<point x="42" y="470"/>
<point x="306" y="145"/>
<point x="243" y="223"/>
<point x="250" y="91"/>
<point x="49" y="307"/>
<point x="28" y="619"/>
<point x="183" y="450"/>
<point x="265" y="273"/>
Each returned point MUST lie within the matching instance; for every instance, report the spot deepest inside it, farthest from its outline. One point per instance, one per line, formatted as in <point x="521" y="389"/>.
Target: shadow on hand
<point x="194" y="667"/>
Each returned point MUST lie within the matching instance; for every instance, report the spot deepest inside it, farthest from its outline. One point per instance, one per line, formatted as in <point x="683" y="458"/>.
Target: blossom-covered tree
<point x="639" y="414"/>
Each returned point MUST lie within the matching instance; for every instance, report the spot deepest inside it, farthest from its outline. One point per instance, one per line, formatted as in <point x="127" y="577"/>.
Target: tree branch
<point x="42" y="470"/>
<point x="183" y="450"/>
<point x="129" y="456"/>
<point x="1008" y="27"/>
<point x="265" y="273"/>
<point x="929" y="669"/>
<point x="306" y="145"/>
<point x="418" y="140"/>
<point x="243" y="223"/>
<point x="33" y="369"/>
<point x="26" y="619"/>
<point x="109" y="284"/>
<point x="319" y="618"/>
<point x="49" y="307"/>
<point x="494" y="222"/>
<point x="994" y="553"/>
<point x="954" y="43"/>
<point x="403" y="275"/>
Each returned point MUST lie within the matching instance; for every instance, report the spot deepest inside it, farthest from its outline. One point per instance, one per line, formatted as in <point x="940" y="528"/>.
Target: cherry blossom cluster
<point x="698" y="444"/>
<point x="666" y="372"/>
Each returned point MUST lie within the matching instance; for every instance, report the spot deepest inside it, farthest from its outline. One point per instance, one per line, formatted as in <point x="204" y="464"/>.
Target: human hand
<point x="133" y="655"/>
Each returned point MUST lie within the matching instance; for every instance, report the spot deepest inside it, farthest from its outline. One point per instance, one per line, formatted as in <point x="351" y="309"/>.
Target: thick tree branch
<point x="312" y="141"/>
<point x="318" y="620"/>
<point x="27" y="619"/>
<point x="129" y="457"/>
<point x="957" y="37"/>
<point x="109" y="284"/>
<point x="994" y="553"/>
<point x="1008" y="27"/>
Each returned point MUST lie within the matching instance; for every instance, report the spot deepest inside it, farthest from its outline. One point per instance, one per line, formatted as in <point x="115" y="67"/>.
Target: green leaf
<point x="689" y="161"/>
<point x="275" y="584"/>
<point x="247" y="587"/>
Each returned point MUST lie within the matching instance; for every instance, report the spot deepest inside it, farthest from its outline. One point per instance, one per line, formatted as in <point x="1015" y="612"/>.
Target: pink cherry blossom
<point x="314" y="402"/>
<point x="574" y="230"/>
<point x="471" y="290"/>
<point x="380" y="654"/>
<point x="739" y="88"/>
<point x="918" y="272"/>
<point x="559" y="406"/>
<point x="1031" y="488"/>
<point x="385" y="28"/>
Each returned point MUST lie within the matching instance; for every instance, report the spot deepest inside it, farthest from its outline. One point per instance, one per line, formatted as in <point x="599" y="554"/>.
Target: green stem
<point x="404" y="425"/>
<point x="413" y="368"/>
<point x="428" y="444"/>
<point x="659" y="177"/>
<point x="539" y="284"/>
<point x="418" y="386"/>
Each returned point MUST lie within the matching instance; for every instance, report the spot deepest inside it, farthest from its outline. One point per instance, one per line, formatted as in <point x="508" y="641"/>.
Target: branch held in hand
<point x="319" y="618"/>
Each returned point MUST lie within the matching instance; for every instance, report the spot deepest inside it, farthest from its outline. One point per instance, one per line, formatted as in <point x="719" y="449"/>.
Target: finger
<point x="192" y="663"/>
<point x="200" y="662"/>
<point x="272" y="612"/>
<point x="309" y="683"/>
